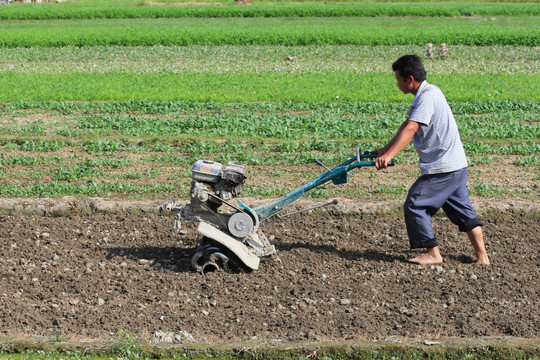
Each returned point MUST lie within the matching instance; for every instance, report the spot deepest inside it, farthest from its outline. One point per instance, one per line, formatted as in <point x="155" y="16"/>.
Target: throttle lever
<point x="318" y="162"/>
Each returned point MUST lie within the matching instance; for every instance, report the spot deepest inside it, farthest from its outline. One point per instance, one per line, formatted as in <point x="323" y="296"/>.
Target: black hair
<point x="408" y="65"/>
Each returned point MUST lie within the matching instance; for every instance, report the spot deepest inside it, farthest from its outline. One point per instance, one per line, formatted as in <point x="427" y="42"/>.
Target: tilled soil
<point x="338" y="277"/>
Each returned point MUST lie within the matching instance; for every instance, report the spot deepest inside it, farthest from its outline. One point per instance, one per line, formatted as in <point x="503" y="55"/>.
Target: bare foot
<point x="483" y="259"/>
<point x="477" y="240"/>
<point x="427" y="259"/>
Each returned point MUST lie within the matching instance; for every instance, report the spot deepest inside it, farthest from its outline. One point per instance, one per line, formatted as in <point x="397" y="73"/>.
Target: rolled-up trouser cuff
<point x="470" y="224"/>
<point x="423" y="244"/>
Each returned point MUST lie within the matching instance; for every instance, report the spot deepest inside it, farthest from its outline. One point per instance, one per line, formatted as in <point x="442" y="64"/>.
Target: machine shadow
<point x="174" y="259"/>
<point x="370" y="254"/>
<point x="464" y="259"/>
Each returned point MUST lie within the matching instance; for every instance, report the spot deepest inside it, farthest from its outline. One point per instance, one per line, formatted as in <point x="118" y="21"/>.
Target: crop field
<point x="115" y="100"/>
<point x="155" y="110"/>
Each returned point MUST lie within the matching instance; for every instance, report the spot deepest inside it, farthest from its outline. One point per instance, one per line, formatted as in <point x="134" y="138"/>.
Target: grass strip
<point x="267" y="87"/>
<point x="139" y="347"/>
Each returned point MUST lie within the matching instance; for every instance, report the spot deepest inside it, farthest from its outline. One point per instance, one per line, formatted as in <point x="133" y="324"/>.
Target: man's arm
<point x="382" y="150"/>
<point x="402" y="138"/>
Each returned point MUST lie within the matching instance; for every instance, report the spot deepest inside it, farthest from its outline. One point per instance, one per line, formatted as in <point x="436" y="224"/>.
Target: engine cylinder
<point x="211" y="184"/>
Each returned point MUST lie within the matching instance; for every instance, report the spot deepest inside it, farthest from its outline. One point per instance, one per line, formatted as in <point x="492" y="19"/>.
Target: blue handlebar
<point x="338" y="175"/>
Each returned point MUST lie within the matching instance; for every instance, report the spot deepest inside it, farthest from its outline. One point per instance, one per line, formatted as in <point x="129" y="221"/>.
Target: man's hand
<point x="382" y="162"/>
<point x="402" y="138"/>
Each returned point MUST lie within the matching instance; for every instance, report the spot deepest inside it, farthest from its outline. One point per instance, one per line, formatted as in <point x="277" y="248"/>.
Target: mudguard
<point x="239" y="249"/>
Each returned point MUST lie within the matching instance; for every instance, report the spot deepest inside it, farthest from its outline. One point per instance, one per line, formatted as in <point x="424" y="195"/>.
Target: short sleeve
<point x="422" y="111"/>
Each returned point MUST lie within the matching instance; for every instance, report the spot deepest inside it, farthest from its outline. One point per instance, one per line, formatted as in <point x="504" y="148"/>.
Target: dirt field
<point x="340" y="276"/>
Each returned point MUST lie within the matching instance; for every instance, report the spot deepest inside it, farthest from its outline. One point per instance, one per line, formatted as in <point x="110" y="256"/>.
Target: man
<point x="433" y="129"/>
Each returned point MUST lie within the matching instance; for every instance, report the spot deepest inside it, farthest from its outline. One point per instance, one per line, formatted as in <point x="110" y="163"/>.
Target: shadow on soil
<point x="167" y="258"/>
<point x="371" y="255"/>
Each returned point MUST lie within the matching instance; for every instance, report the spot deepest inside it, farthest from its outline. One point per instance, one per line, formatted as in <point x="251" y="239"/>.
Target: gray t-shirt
<point x="437" y="140"/>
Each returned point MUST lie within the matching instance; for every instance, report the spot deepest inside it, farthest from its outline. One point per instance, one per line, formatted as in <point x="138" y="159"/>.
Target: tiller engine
<point x="232" y="237"/>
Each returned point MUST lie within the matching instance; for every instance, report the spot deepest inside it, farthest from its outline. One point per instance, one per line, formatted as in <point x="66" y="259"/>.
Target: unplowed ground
<point x="339" y="276"/>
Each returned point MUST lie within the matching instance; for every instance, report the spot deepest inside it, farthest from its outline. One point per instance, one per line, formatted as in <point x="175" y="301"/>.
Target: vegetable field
<point x="117" y="99"/>
<point x="115" y="121"/>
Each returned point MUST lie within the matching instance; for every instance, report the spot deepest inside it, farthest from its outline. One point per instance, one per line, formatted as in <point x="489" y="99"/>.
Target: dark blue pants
<point x="429" y="194"/>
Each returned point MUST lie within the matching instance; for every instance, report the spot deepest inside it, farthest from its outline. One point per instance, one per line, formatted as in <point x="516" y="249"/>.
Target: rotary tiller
<point x="232" y="238"/>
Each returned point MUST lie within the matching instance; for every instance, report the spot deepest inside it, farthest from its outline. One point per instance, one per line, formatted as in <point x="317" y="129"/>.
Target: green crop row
<point x="100" y="10"/>
<point x="296" y="126"/>
<point x="27" y="108"/>
<point x="93" y="188"/>
<point x="272" y="87"/>
<point x="518" y="30"/>
<point x="182" y="150"/>
<point x="158" y="175"/>
<point x="184" y="127"/>
<point x="144" y="149"/>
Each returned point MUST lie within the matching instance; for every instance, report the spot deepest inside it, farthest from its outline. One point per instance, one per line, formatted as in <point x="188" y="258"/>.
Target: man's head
<point x="409" y="72"/>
